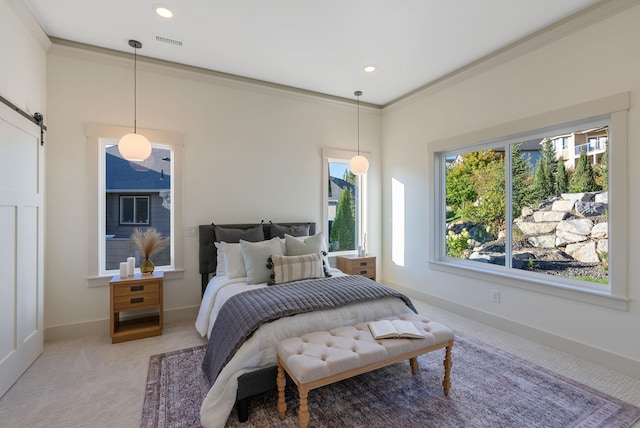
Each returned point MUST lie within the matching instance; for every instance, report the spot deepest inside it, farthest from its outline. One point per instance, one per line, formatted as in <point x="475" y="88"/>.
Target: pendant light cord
<point x="358" y="124"/>
<point x="357" y="94"/>
<point x="135" y="90"/>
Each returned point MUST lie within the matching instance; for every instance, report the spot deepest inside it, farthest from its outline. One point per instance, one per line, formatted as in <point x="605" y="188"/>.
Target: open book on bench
<point x="394" y="329"/>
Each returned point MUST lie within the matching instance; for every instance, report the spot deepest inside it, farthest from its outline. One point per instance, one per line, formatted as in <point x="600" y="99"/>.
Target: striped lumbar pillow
<point x="295" y="268"/>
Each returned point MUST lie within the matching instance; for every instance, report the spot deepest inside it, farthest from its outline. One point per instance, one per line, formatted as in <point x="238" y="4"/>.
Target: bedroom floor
<point x="88" y="382"/>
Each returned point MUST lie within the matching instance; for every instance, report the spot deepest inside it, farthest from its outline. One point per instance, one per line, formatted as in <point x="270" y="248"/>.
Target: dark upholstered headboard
<point x="208" y="252"/>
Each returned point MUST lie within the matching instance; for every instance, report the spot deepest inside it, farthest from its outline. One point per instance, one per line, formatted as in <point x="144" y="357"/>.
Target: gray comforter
<point x="243" y="313"/>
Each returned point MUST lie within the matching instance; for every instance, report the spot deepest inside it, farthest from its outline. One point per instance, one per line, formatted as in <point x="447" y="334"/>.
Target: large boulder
<point x="580" y="226"/>
<point x="563" y="238"/>
<point x="533" y="228"/>
<point x="542" y="241"/>
<point x="563" y="205"/>
<point x="584" y="252"/>
<point x="542" y="216"/>
<point x="600" y="230"/>
<point x="591" y="209"/>
<point x="585" y="197"/>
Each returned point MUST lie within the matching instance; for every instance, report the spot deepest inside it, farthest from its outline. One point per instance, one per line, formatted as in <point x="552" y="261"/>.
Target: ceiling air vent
<point x="168" y="40"/>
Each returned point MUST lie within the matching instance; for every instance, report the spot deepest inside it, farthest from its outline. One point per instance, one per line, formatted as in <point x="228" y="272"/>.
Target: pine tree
<point x="542" y="186"/>
<point x="562" y="178"/>
<point x="550" y="165"/>
<point x="343" y="229"/>
<point x="583" y="179"/>
<point x="521" y="181"/>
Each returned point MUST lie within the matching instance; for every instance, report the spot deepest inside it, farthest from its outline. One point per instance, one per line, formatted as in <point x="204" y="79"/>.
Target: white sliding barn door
<point x="21" y="245"/>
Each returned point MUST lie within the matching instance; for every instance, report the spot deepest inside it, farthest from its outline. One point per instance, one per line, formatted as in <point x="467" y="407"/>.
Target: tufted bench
<point x="324" y="357"/>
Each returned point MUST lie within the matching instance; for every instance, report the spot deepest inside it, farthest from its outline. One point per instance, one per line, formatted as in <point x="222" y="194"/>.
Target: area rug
<point x="489" y="387"/>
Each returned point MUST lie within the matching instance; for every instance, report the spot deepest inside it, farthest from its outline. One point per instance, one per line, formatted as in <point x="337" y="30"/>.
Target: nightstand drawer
<point x="135" y="289"/>
<point x="137" y="301"/>
<point x="364" y="271"/>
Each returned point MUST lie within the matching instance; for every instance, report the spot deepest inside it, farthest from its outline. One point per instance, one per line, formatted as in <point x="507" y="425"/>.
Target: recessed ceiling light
<point x="163" y="11"/>
<point x="369" y="68"/>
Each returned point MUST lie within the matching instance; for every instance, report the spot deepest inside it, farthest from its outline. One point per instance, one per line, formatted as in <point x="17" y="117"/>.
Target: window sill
<point x="576" y="293"/>
<point x="103" y="281"/>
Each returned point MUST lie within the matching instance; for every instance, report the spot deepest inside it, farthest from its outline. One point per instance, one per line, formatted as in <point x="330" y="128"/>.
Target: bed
<point x="244" y="318"/>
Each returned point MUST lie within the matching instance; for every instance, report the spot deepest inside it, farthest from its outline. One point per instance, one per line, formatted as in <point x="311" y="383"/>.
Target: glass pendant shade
<point x="358" y="165"/>
<point x="134" y="147"/>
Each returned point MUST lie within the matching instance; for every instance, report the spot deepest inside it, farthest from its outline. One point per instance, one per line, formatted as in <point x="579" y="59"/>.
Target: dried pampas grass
<point x="149" y="242"/>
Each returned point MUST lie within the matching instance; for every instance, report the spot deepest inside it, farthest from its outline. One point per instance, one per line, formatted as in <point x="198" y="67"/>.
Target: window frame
<point x="343" y="156"/>
<point x="135" y="210"/>
<point x="98" y="136"/>
<point x="615" y="108"/>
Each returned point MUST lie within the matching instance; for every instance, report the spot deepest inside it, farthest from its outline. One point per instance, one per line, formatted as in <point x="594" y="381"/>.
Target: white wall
<point x="595" y="62"/>
<point x="23" y="48"/>
<point x="251" y="153"/>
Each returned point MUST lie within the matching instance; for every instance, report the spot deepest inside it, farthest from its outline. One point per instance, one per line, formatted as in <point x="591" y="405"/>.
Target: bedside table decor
<point x="148" y="242"/>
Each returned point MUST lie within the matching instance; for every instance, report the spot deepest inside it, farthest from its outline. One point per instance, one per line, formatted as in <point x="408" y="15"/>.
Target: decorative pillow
<point x="295" y="268"/>
<point x="296" y="230"/>
<point x="297" y="246"/>
<point x="256" y="256"/>
<point x="230" y="235"/>
<point x="220" y="268"/>
<point x="233" y="262"/>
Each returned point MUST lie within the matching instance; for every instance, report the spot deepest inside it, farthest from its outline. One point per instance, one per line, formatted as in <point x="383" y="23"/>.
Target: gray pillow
<point x="295" y="230"/>
<point x="297" y="246"/>
<point x="231" y="235"/>
<point x="300" y="246"/>
<point x="256" y="257"/>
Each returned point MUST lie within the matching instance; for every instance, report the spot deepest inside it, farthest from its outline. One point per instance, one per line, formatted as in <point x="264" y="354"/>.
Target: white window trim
<point x="337" y="155"/>
<point x="96" y="132"/>
<point x="615" y="106"/>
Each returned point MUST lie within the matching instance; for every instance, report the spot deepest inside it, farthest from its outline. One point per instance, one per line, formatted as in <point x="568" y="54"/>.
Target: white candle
<point x="131" y="263"/>
<point x="124" y="269"/>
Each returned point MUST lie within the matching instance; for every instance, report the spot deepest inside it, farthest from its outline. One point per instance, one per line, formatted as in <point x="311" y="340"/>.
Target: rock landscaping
<point x="566" y="236"/>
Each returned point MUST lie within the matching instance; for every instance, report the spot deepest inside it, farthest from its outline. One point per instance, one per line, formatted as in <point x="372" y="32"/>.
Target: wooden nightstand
<point x="354" y="265"/>
<point x="135" y="295"/>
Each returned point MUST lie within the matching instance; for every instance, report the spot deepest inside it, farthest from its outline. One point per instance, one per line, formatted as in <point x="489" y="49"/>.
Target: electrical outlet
<point x="495" y="296"/>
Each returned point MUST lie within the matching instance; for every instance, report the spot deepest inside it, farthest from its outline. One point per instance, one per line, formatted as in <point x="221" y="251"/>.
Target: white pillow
<point x="233" y="262"/>
<point x="220" y="263"/>
<point x="256" y="257"/>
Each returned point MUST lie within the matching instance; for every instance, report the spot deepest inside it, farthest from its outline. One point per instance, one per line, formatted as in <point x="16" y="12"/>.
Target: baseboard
<point x="607" y="359"/>
<point x="101" y="327"/>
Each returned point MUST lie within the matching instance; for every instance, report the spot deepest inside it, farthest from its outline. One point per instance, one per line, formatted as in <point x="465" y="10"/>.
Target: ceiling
<point x="319" y="46"/>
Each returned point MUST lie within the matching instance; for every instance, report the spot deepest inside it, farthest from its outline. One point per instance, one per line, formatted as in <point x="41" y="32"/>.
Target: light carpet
<point x="489" y="387"/>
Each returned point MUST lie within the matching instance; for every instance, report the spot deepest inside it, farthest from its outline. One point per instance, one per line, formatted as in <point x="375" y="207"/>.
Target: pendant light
<point x="134" y="147"/>
<point x="358" y="164"/>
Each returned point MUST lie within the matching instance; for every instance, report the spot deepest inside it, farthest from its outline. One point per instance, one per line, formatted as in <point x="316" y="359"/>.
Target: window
<point x="515" y="207"/>
<point x="134" y="210"/>
<point x="344" y="204"/>
<point x="135" y="195"/>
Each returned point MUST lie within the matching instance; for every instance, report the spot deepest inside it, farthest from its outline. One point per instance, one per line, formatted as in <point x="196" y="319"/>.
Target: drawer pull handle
<point x="137" y="300"/>
<point x="137" y="288"/>
<point x="363" y="263"/>
<point x="363" y="272"/>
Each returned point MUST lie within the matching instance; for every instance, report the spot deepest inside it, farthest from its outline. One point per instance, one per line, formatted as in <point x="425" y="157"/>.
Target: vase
<point x="146" y="267"/>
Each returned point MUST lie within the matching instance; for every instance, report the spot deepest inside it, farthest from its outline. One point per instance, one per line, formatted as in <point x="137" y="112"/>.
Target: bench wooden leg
<point x="414" y="365"/>
<point x="303" y="413"/>
<point x="281" y="382"/>
<point x="446" y="382"/>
